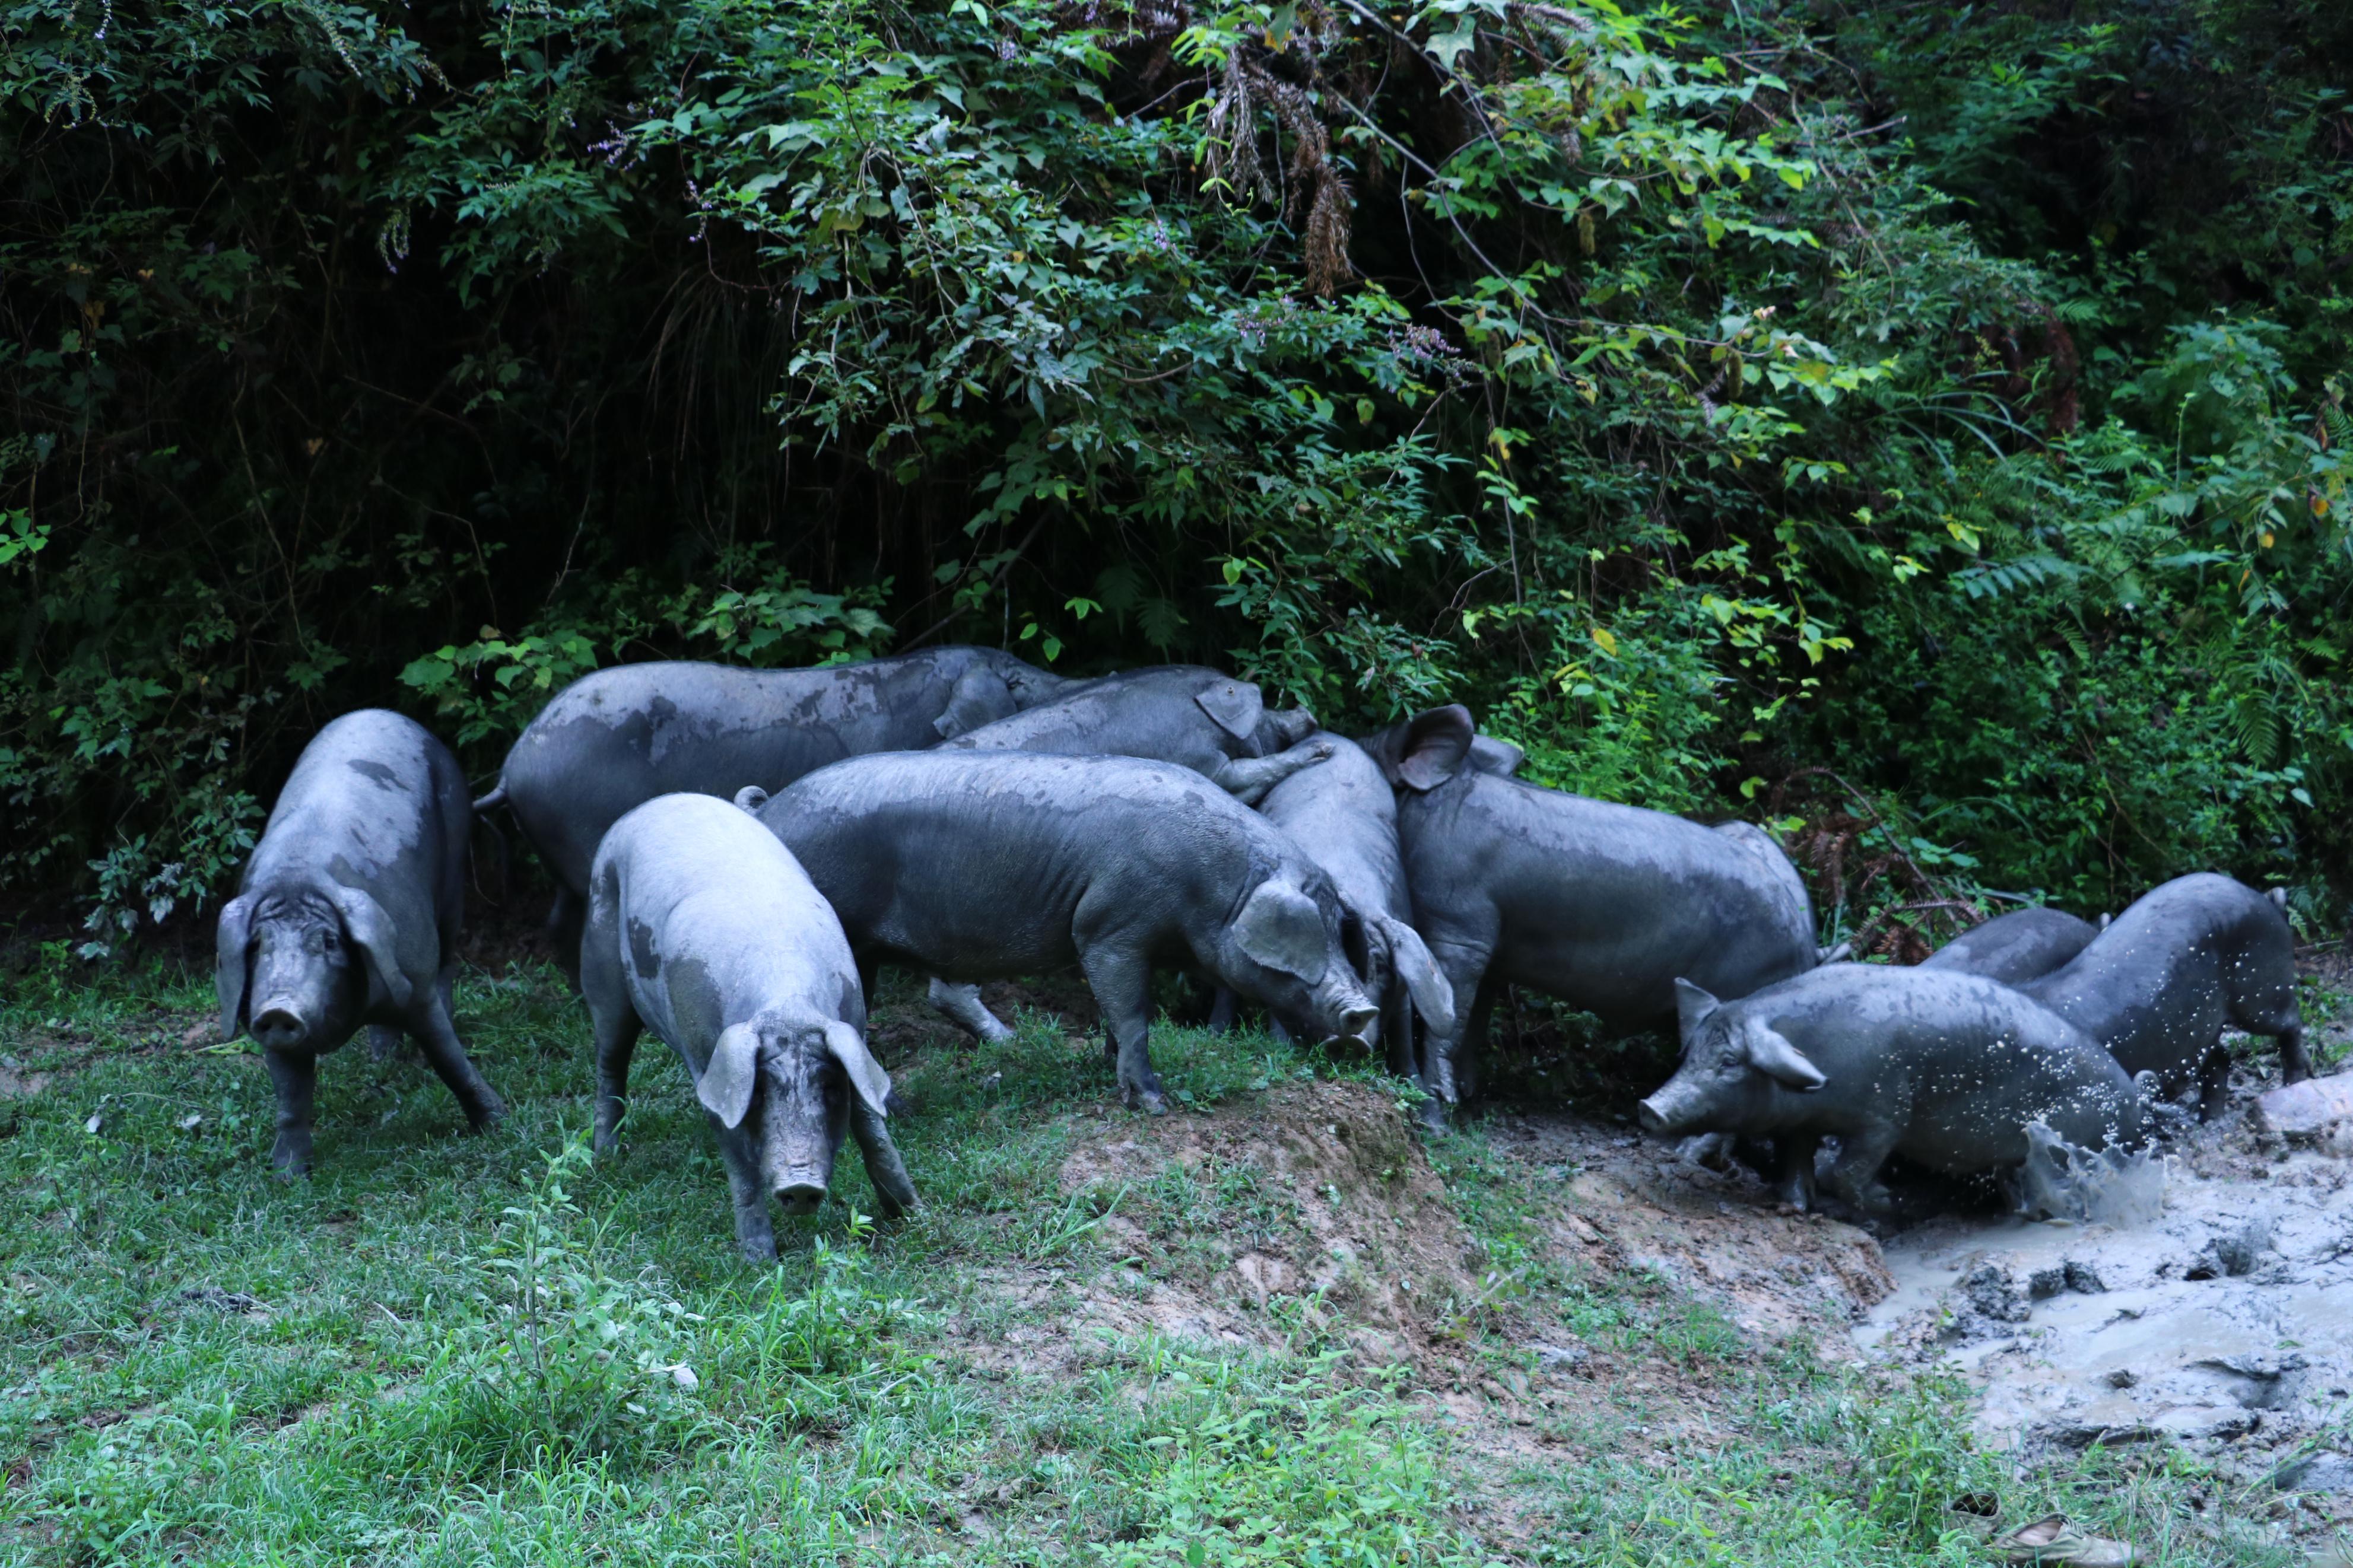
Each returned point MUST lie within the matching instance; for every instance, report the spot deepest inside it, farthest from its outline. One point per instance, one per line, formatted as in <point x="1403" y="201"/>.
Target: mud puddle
<point x="2224" y="1325"/>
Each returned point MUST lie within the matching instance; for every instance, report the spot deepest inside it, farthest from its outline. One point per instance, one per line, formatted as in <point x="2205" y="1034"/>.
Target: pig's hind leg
<point x="616" y="1026"/>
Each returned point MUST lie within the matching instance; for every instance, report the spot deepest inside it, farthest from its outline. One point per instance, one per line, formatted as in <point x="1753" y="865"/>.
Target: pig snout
<point x="278" y="1024"/>
<point x="1672" y="1110"/>
<point x="1359" y="1021"/>
<point x="801" y="1194"/>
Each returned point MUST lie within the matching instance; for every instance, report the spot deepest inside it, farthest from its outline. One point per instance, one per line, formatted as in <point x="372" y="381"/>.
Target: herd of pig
<point x="738" y="851"/>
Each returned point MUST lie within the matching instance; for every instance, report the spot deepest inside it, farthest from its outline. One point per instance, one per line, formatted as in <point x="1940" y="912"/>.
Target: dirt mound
<point x="1307" y="1208"/>
<point x="1628" y="1202"/>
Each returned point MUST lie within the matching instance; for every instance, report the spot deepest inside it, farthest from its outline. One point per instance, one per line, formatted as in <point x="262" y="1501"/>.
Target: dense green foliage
<point x="1734" y="405"/>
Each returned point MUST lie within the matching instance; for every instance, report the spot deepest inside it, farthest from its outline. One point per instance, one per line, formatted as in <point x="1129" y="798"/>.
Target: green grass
<point x="443" y="1348"/>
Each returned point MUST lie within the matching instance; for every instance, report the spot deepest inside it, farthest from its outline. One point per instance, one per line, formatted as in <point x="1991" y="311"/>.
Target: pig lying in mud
<point x="1603" y="906"/>
<point x="2022" y="945"/>
<point x="703" y="928"/>
<point x="1344" y="815"/>
<point x="2158" y="985"/>
<point x="614" y="739"/>
<point x="987" y="865"/>
<point x="1946" y="1070"/>
<point x="349" y="913"/>
<point x="1192" y="716"/>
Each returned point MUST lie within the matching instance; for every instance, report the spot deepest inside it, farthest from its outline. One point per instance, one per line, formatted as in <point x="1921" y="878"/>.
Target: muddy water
<point x="2224" y="1325"/>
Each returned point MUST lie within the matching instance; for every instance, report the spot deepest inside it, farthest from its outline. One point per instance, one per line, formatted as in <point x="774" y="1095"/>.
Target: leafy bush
<point x="1947" y="396"/>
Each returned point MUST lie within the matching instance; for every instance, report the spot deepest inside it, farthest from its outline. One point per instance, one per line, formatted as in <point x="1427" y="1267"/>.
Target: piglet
<point x="703" y="928"/>
<point x="1946" y="1070"/>
<point x="348" y="914"/>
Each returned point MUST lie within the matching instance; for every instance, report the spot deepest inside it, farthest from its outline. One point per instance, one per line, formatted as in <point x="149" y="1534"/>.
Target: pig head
<point x="793" y="1088"/>
<point x="1736" y="1068"/>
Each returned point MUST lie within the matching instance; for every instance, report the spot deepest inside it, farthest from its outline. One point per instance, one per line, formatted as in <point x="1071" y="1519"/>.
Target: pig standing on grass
<point x="349" y="914"/>
<point x="987" y="865"/>
<point x="1946" y="1070"/>
<point x="703" y="928"/>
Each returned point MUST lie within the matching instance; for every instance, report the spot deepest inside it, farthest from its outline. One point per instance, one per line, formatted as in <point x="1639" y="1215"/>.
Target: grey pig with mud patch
<point x="611" y="741"/>
<point x="349" y="913"/>
<point x="2022" y="945"/>
<point x="987" y="865"/>
<point x="1601" y="905"/>
<point x="2188" y="957"/>
<point x="1943" y="1068"/>
<point x="705" y="929"/>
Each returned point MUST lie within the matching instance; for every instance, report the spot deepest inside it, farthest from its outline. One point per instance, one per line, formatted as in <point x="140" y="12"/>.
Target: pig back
<point x="1342" y="814"/>
<point x="2022" y="945"/>
<point x="716" y="920"/>
<point x="1605" y="906"/>
<point x="2156" y="986"/>
<point x="1145" y="713"/>
<point x="613" y="739"/>
<point x="951" y="857"/>
<point x="376" y="803"/>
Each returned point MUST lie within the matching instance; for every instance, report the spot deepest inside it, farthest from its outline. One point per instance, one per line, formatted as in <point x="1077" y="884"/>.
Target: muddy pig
<point x="989" y="865"/>
<point x="1946" y="1070"/>
<point x="2158" y="985"/>
<point x="349" y="913"/>
<point x="705" y="929"/>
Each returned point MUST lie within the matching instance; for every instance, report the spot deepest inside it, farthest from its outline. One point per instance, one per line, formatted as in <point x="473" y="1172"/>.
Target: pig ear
<point x="1437" y="742"/>
<point x="980" y="698"/>
<point x="866" y="1075"/>
<point x="1433" y="998"/>
<point x="1490" y="755"/>
<point x="1281" y="927"/>
<point x="370" y="930"/>
<point x="2278" y="896"/>
<point x="725" y="1086"/>
<point x="1236" y="705"/>
<point x="1770" y="1053"/>
<point x="1694" y="1006"/>
<point x="751" y="798"/>
<point x="2104" y="918"/>
<point x="232" y="957"/>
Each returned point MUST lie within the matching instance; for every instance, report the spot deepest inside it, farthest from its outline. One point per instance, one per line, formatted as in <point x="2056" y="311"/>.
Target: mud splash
<point x="2223" y="1323"/>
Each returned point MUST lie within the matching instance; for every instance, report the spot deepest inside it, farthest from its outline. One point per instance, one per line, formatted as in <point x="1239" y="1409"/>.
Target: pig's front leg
<point x="1247" y="779"/>
<point x="895" y="1195"/>
<point x="1854" y="1175"/>
<point x="1793" y="1169"/>
<point x="295" y="1075"/>
<point x="756" y="1229"/>
<point x="439" y="1035"/>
